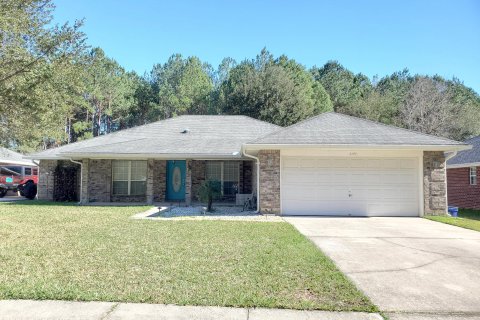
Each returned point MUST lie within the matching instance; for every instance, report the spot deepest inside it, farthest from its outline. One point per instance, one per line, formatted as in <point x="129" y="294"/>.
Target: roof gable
<point x="338" y="129"/>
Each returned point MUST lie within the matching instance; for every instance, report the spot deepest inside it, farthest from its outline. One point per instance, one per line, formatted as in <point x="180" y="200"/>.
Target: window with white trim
<point x="129" y="177"/>
<point x="227" y="172"/>
<point x="473" y="176"/>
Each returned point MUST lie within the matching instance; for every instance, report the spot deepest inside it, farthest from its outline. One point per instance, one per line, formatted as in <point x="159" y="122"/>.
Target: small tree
<point x="209" y="190"/>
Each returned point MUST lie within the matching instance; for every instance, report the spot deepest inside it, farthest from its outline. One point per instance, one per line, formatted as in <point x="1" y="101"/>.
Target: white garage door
<point x="350" y="186"/>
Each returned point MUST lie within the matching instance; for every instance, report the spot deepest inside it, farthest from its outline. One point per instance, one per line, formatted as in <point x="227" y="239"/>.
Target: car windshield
<point x="10" y="170"/>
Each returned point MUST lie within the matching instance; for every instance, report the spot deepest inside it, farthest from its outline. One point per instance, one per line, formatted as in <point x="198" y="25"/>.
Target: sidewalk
<point x="53" y="310"/>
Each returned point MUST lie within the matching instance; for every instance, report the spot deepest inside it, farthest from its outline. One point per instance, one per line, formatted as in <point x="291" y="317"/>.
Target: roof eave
<point x="459" y="147"/>
<point x="165" y="156"/>
<point x="463" y="165"/>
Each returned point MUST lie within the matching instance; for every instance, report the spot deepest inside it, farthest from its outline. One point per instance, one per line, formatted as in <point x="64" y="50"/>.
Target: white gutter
<point x="359" y="146"/>
<point x="81" y="179"/>
<point x="258" y="177"/>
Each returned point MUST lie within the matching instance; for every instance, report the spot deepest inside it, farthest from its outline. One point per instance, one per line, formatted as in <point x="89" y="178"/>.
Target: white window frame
<point x="222" y="171"/>
<point x="129" y="179"/>
<point x="473" y="176"/>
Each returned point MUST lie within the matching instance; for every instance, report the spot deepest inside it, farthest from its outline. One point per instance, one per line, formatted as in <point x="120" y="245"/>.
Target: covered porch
<point x="171" y="182"/>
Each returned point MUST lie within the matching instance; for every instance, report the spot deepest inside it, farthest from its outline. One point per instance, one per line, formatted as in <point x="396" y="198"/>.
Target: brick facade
<point x="159" y="180"/>
<point x="460" y="192"/>
<point x="269" y="181"/>
<point x="46" y="179"/>
<point x="199" y="168"/>
<point x="100" y="181"/>
<point x="434" y="183"/>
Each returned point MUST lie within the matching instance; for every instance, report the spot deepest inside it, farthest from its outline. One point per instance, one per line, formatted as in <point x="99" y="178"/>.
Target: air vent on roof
<point x="186" y="131"/>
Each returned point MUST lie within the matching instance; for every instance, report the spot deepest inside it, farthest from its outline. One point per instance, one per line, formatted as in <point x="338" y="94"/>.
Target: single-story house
<point x="331" y="164"/>
<point x="463" y="173"/>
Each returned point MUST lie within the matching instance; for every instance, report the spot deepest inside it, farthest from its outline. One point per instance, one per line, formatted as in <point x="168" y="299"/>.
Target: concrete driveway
<point x="411" y="268"/>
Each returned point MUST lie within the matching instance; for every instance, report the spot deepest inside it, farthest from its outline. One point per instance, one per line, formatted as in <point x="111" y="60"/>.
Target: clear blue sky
<point x="373" y="37"/>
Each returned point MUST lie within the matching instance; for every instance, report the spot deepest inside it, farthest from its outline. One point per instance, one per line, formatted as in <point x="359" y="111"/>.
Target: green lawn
<point x="66" y="252"/>
<point x="467" y="218"/>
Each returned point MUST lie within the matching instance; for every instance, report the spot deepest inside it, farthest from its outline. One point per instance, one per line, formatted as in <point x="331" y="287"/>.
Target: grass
<point x="467" y="218"/>
<point x="67" y="252"/>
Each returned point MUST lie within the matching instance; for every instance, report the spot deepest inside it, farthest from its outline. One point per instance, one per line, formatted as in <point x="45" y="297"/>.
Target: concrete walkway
<point x="411" y="268"/>
<point x="56" y="310"/>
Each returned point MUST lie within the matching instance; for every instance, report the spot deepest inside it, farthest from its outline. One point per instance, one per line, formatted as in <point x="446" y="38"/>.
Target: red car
<point x="13" y="177"/>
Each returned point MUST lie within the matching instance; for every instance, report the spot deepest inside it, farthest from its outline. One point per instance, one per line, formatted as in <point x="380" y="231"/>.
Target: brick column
<point x="269" y="181"/>
<point x="84" y="194"/>
<point x="434" y="183"/>
<point x="150" y="175"/>
<point x="188" y="183"/>
<point x="46" y="179"/>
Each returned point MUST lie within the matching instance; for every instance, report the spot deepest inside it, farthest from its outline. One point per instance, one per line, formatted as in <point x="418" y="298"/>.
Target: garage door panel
<point x="350" y="186"/>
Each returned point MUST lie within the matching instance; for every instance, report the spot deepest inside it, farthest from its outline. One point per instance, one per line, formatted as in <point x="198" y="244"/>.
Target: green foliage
<point x="183" y="86"/>
<point x="209" y="190"/>
<point x="342" y="85"/>
<point x="53" y="90"/>
<point x="279" y="90"/>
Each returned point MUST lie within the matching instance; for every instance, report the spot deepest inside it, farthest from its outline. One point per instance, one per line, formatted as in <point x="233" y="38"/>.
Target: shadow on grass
<point x="469" y="214"/>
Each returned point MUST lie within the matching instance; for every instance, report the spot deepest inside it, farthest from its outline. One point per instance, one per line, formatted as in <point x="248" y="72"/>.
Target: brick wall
<point x="269" y="181"/>
<point x="159" y="180"/>
<point x="46" y="179"/>
<point x="460" y="192"/>
<point x="434" y="183"/>
<point x="100" y="180"/>
<point x="199" y="168"/>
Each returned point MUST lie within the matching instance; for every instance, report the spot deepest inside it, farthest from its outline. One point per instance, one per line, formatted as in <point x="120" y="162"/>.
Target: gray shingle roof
<point x="9" y="156"/>
<point x="467" y="156"/>
<point x="337" y="129"/>
<point x="208" y="135"/>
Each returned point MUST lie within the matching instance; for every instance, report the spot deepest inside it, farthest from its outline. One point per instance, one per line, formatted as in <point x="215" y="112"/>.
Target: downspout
<point x="448" y="157"/>
<point x="258" y="176"/>
<point x="81" y="178"/>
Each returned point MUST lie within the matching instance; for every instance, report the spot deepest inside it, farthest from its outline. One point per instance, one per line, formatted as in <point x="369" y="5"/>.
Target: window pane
<point x="120" y="187"/>
<point x="28" y="171"/>
<point x="35" y="171"/>
<point x="214" y="170"/>
<point x="120" y="170"/>
<point x="139" y="171"/>
<point x="230" y="171"/>
<point x="138" y="188"/>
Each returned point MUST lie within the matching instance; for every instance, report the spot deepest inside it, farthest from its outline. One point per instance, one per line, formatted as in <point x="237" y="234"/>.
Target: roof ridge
<point x="399" y="128"/>
<point x="292" y="125"/>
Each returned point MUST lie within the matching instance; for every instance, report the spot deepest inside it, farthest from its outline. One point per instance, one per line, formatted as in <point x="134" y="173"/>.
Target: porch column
<point x="46" y="179"/>
<point x="188" y="183"/>
<point x="84" y="194"/>
<point x="150" y="175"/>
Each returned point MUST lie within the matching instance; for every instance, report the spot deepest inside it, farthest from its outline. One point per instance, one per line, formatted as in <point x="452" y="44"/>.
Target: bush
<point x="208" y="191"/>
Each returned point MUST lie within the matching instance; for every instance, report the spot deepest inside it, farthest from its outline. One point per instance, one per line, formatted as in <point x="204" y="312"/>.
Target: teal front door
<point x="176" y="170"/>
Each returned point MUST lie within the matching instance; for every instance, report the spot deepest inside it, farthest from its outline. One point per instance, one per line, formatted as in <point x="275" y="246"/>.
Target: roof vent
<point x="186" y="130"/>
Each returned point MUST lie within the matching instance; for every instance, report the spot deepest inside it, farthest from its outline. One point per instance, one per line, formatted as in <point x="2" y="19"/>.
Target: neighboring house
<point x="463" y="175"/>
<point x="331" y="164"/>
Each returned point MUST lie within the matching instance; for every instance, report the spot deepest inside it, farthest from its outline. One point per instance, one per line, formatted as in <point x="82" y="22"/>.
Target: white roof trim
<point x="358" y="146"/>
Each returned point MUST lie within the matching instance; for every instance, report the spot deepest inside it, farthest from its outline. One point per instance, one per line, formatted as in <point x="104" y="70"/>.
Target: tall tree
<point x="184" y="86"/>
<point x="342" y="85"/>
<point x="35" y="65"/>
<point x="430" y="108"/>
<point x="276" y="90"/>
